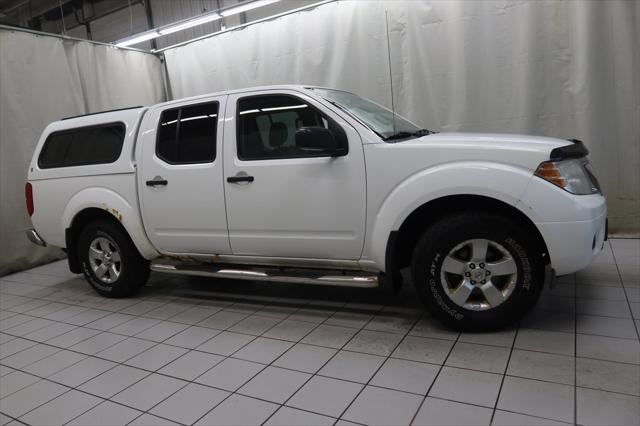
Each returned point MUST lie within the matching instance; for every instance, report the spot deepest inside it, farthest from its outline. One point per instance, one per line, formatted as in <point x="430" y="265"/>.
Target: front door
<point x="180" y="178"/>
<point x="283" y="201"/>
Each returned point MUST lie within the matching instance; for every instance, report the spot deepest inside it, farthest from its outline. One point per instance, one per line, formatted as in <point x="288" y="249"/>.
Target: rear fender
<point x="116" y="205"/>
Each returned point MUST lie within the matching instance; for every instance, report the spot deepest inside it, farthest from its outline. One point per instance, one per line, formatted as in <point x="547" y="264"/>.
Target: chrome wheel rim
<point x="104" y="259"/>
<point x="478" y="274"/>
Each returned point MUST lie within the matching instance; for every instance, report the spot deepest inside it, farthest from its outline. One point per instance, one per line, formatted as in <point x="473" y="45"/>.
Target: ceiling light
<point x="199" y="20"/>
<point x="246" y="6"/>
<point x="138" y="38"/>
<point x="189" y="23"/>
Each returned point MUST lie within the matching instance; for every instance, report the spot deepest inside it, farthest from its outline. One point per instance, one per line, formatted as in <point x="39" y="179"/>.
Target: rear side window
<point x="187" y="135"/>
<point x="83" y="146"/>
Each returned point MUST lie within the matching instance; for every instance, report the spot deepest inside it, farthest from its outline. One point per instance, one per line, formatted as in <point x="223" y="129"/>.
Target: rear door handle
<point x="157" y="181"/>
<point x="240" y="178"/>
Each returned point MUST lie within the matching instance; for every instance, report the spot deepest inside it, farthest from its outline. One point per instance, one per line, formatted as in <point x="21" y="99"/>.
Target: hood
<point x="519" y="150"/>
<point x="499" y="141"/>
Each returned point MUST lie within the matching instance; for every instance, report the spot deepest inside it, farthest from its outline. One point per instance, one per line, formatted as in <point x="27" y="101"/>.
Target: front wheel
<point x="478" y="271"/>
<point x="110" y="261"/>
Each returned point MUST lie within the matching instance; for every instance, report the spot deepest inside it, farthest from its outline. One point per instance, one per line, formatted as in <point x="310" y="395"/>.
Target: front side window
<point x="267" y="127"/>
<point x="83" y="146"/>
<point x="187" y="135"/>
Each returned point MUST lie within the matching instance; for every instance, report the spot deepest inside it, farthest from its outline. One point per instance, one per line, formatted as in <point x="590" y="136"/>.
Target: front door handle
<point x="157" y="181"/>
<point x="240" y="177"/>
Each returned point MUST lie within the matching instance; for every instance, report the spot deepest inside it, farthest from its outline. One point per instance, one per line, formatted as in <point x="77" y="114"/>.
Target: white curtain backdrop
<point x="43" y="79"/>
<point x="560" y="68"/>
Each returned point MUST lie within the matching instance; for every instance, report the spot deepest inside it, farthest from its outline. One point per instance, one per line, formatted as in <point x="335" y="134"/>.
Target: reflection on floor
<point x="204" y="351"/>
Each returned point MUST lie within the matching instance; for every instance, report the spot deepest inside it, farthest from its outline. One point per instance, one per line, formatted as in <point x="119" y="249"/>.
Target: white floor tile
<point x="113" y="381"/>
<point x="274" y="384"/>
<point x="306" y="358"/>
<point x="190" y="403"/>
<point x="491" y="359"/>
<point x="439" y="412"/>
<point x="408" y="376"/>
<point x="106" y="414"/>
<point x="325" y="396"/>
<point x="230" y="374"/>
<point x="608" y="376"/>
<point x="468" y="386"/>
<point x="149" y="391"/>
<point x="239" y="410"/>
<point x="423" y="349"/>
<point x="286" y="416"/>
<point x="377" y="406"/>
<point x="604" y="408"/>
<point x="536" y="398"/>
<point x="62" y="409"/>
<point x="542" y="366"/>
<point x="191" y="365"/>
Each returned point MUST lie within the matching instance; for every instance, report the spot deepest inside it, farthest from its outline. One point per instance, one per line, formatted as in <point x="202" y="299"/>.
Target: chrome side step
<point x="298" y="276"/>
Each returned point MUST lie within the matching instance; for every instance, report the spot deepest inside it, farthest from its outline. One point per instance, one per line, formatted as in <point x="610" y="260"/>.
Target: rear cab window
<point x="187" y="135"/>
<point x="89" y="145"/>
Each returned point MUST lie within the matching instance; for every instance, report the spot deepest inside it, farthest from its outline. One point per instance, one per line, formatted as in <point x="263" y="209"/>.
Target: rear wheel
<point x="110" y="261"/>
<point x="478" y="271"/>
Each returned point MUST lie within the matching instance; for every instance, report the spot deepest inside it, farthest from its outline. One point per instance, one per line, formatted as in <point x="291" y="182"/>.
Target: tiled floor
<point x="196" y="351"/>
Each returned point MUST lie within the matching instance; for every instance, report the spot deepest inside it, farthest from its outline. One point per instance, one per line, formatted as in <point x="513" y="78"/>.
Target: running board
<point x="282" y="275"/>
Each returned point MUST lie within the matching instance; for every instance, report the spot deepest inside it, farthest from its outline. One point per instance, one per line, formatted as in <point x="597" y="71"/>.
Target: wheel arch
<point x="96" y="202"/>
<point x="78" y="223"/>
<point x="402" y="242"/>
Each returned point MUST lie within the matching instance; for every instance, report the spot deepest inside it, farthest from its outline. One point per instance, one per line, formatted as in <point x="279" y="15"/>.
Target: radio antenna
<point x="393" y="106"/>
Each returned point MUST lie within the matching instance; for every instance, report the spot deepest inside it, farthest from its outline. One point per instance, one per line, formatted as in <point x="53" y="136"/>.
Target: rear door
<point x="180" y="177"/>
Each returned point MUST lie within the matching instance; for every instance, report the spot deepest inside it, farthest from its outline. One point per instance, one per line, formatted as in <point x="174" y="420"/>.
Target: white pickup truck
<point x="315" y="186"/>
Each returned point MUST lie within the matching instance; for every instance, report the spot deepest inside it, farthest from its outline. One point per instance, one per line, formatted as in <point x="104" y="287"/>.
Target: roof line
<point x="101" y="112"/>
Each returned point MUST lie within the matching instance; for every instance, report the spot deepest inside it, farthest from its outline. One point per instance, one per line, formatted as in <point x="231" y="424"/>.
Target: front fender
<point x="502" y="182"/>
<point x="118" y="206"/>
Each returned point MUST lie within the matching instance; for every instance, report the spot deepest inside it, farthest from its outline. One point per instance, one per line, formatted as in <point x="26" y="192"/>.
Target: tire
<point x="453" y="281"/>
<point x="130" y="270"/>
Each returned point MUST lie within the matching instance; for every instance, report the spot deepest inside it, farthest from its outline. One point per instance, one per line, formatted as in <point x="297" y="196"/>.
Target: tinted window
<point x="188" y="135"/>
<point x="83" y="146"/>
<point x="267" y="127"/>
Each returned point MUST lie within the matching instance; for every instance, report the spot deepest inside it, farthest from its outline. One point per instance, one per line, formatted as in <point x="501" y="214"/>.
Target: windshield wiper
<point x="405" y="134"/>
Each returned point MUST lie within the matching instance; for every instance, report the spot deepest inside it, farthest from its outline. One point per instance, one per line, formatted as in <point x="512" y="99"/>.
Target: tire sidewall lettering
<point x="434" y="283"/>
<point x="524" y="260"/>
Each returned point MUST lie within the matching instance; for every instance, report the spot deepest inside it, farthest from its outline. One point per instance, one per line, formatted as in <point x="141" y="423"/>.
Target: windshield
<point x="376" y="117"/>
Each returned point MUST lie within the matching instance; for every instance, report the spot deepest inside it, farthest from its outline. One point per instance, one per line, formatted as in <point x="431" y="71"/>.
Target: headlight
<point x="570" y="175"/>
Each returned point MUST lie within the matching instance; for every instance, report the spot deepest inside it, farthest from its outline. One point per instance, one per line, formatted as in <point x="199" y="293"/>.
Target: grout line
<point x="381" y="364"/>
<point x="625" y="293"/>
<point x="575" y="353"/>
<point x="504" y="374"/>
<point x="435" y="379"/>
<point x="278" y="357"/>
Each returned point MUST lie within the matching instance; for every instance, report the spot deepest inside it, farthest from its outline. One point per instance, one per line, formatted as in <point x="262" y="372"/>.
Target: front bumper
<point x="35" y="238"/>
<point x="573" y="227"/>
<point x="573" y="245"/>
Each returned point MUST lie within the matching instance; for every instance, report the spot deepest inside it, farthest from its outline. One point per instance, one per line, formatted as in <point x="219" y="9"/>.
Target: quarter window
<point x="187" y="135"/>
<point x="267" y="127"/>
<point x="83" y="146"/>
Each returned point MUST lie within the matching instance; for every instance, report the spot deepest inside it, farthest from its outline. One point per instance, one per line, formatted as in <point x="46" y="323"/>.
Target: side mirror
<point x="316" y="139"/>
